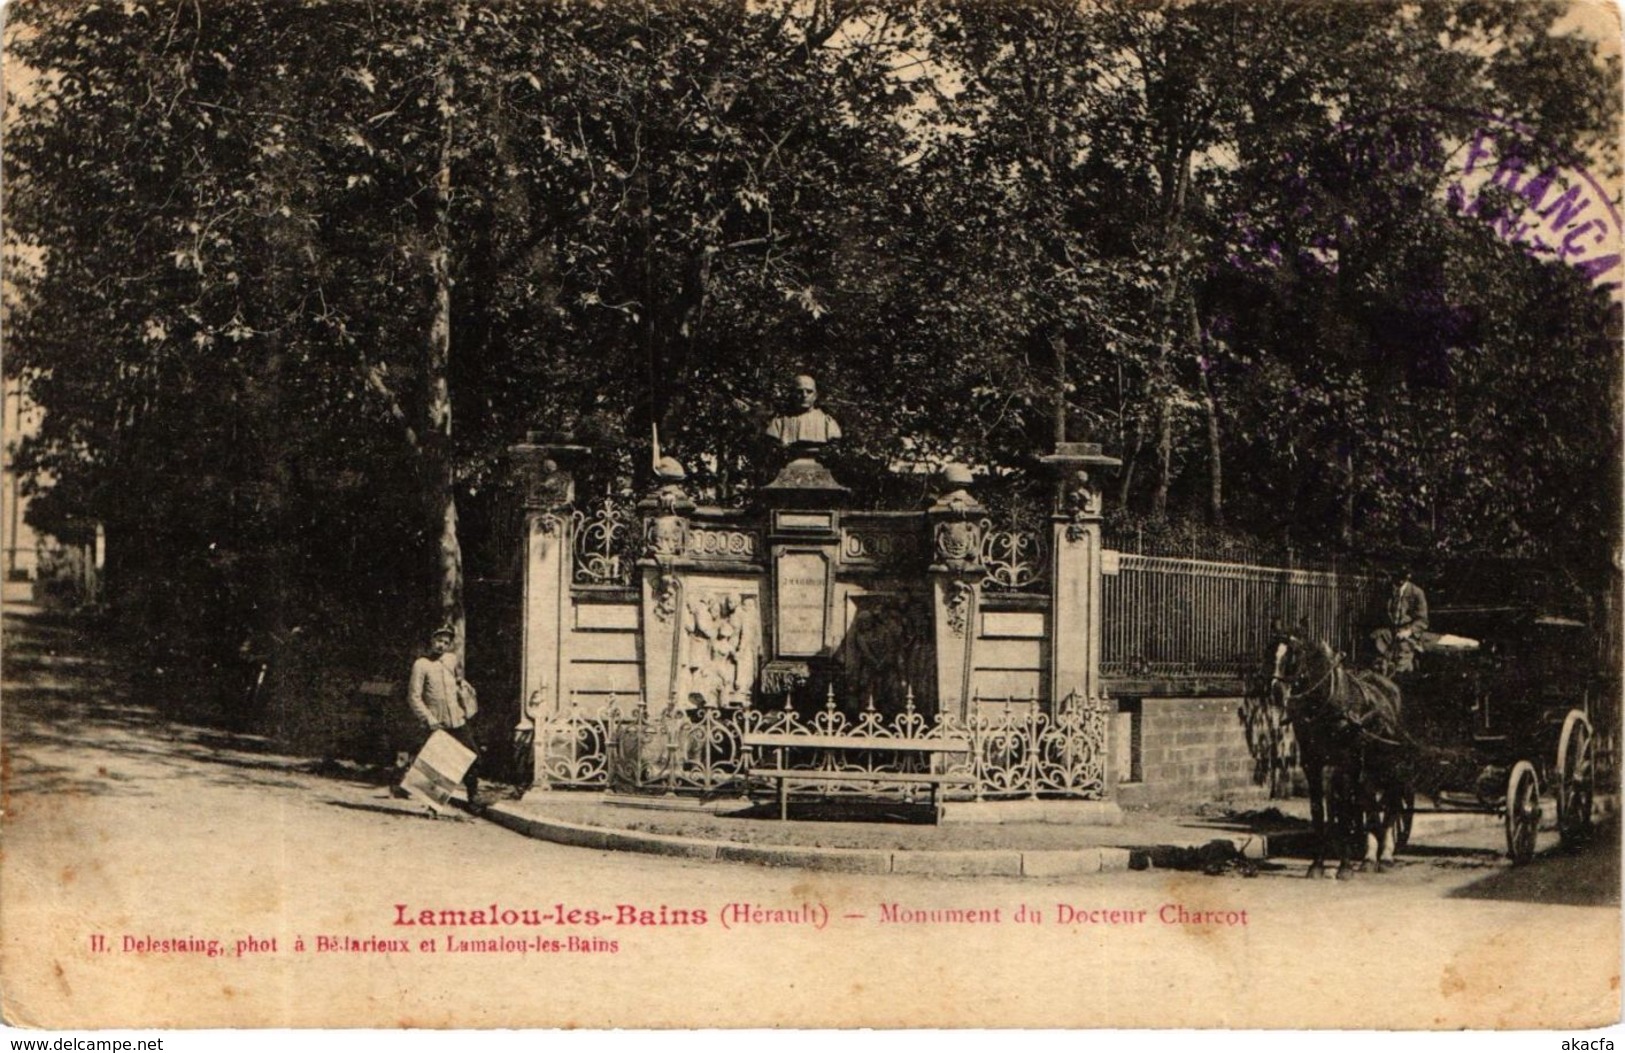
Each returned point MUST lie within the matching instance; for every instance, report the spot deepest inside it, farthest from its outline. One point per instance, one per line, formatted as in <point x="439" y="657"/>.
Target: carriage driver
<point x="1400" y="640"/>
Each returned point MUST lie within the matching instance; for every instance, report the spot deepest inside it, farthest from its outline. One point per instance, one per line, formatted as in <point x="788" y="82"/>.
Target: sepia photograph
<point x="812" y="514"/>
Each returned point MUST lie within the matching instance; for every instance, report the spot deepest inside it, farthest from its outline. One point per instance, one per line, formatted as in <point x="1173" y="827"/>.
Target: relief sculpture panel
<point x="888" y="651"/>
<point x="719" y="649"/>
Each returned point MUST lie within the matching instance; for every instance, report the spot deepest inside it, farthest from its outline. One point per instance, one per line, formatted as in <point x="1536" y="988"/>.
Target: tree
<point x="264" y="257"/>
<point x="332" y="230"/>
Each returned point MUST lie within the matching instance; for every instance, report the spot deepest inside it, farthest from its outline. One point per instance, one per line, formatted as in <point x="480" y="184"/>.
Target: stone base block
<point x="1080" y="813"/>
<point x="986" y="863"/>
<point x="674" y="803"/>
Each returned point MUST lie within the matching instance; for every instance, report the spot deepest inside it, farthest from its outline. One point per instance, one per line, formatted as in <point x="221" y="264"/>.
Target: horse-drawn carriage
<point x="1495" y="723"/>
<point x="1501" y="725"/>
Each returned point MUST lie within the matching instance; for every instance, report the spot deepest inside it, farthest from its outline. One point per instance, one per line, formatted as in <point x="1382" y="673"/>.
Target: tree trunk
<point x="1130" y="452"/>
<point x="1131" y="459"/>
<point x="649" y="331"/>
<point x="1215" y="491"/>
<point x="1210" y="409"/>
<point x="681" y="353"/>
<point x="1346" y="526"/>
<point x="439" y="474"/>
<point x="1057" y="345"/>
<point x="1176" y="179"/>
<point x="1165" y="458"/>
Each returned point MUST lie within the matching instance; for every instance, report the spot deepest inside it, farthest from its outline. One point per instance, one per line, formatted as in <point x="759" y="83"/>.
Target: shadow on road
<point x="1587" y="876"/>
<point x="1458" y="852"/>
<point x="401" y="810"/>
<point x="68" y="690"/>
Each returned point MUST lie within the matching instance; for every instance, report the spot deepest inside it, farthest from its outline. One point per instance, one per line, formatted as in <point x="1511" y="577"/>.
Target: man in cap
<point x="1399" y="642"/>
<point x="436" y="696"/>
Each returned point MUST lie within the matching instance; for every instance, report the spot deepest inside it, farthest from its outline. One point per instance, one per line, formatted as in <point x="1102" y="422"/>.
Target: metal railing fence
<point x="1172" y="618"/>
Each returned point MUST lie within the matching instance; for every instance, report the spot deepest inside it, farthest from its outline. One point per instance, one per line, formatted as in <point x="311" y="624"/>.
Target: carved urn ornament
<point x="957" y="536"/>
<point x="1077" y="495"/>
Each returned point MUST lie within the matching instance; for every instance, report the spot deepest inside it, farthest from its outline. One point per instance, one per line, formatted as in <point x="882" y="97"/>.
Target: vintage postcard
<point x="812" y="514"/>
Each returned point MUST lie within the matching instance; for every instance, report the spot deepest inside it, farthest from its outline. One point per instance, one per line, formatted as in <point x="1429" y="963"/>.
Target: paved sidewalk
<point x="1199" y="837"/>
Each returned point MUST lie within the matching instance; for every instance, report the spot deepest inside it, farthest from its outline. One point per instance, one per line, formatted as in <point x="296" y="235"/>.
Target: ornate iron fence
<point x="1016" y="747"/>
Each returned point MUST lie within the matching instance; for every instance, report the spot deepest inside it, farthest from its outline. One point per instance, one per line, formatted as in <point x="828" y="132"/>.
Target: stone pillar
<point x="547" y="490"/>
<point x="1075" y="629"/>
<point x="804" y="539"/>
<point x="665" y="511"/>
<point x="957" y="524"/>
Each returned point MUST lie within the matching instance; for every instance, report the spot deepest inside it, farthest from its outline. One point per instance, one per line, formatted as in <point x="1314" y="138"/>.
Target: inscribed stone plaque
<point x="1015" y="624"/>
<point x="804" y="521"/>
<point x="606" y="616"/>
<point x="802" y="602"/>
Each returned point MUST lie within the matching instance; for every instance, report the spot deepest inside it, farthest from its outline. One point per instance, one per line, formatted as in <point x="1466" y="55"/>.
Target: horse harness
<point x="1334" y="665"/>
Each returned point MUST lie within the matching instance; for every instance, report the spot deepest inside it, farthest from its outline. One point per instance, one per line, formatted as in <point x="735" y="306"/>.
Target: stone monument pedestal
<point x="803" y="536"/>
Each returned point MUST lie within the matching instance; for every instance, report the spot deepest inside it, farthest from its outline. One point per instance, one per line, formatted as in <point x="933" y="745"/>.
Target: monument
<point x="804" y="536"/>
<point x="809" y="427"/>
<point x="660" y="635"/>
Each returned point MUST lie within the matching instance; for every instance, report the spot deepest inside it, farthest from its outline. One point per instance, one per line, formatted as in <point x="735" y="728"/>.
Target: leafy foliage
<point x="288" y="279"/>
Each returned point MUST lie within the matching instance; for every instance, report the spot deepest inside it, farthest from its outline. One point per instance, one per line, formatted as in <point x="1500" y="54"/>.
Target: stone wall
<point x="600" y="650"/>
<point x="799" y="604"/>
<point x="1008" y="657"/>
<point x="1194" y="749"/>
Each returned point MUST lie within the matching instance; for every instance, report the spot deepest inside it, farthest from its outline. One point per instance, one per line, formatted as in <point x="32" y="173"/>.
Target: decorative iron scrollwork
<point x="1008" y="748"/>
<point x="1015" y="547"/>
<point x="604" y="544"/>
<point x="573" y="749"/>
<point x="1014" y="558"/>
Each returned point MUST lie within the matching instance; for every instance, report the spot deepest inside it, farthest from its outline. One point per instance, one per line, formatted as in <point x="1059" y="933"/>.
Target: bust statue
<point x="809" y="426"/>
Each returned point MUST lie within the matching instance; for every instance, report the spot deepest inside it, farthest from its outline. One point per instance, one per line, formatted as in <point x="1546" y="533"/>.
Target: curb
<point x="986" y="863"/>
<point x="1016" y="863"/>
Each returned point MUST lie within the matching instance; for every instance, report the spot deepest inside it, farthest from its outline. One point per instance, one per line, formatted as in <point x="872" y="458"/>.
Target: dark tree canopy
<point x="287" y="279"/>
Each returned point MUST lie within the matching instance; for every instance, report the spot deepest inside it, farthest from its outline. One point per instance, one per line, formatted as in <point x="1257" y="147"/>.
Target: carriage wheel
<point x="1575" y="779"/>
<point x="1523" y="812"/>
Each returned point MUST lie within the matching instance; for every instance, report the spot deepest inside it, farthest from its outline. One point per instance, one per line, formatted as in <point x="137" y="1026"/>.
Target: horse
<point x="1350" y="745"/>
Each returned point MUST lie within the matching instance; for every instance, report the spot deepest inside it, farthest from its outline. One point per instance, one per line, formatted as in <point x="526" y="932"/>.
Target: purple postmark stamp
<point x="1529" y="192"/>
<point x="1557" y="210"/>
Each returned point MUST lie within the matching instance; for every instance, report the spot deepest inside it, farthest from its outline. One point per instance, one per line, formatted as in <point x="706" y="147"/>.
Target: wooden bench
<point x="837" y="744"/>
